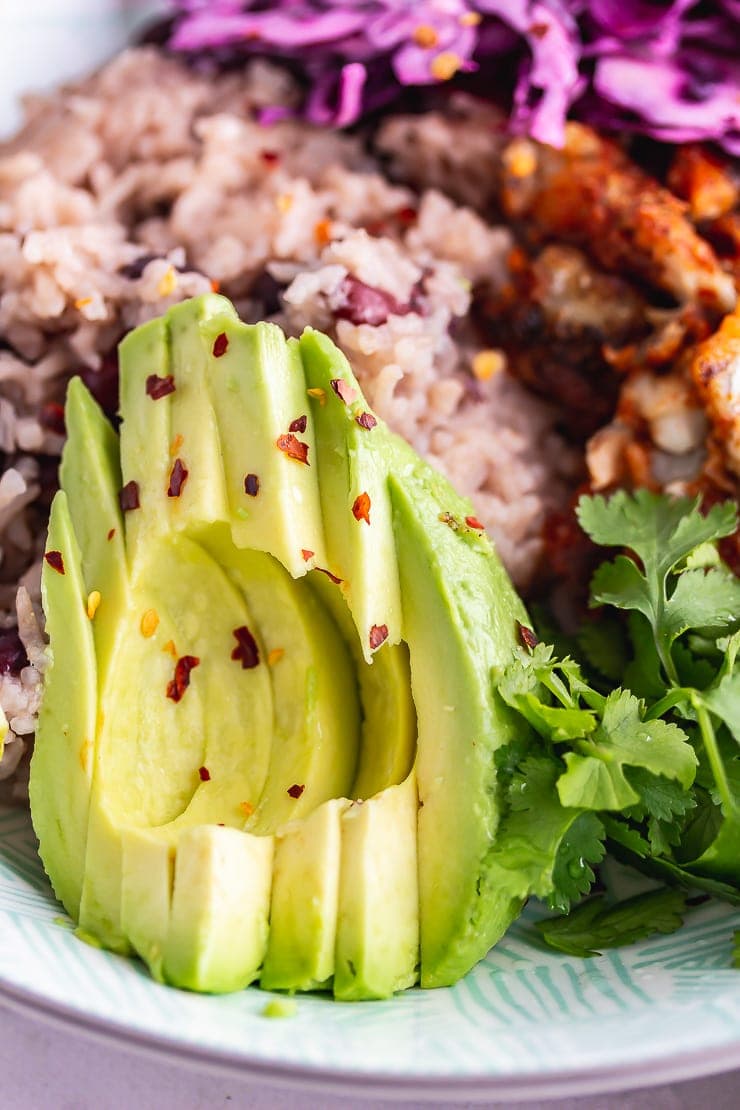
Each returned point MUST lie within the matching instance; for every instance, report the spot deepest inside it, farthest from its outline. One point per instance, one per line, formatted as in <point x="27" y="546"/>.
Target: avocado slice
<point x="305" y="894"/>
<point x="297" y="629"/>
<point x="460" y="616"/>
<point x="258" y="392"/>
<point x="377" y="949"/>
<point x="61" y="766"/>
<point x="353" y="466"/>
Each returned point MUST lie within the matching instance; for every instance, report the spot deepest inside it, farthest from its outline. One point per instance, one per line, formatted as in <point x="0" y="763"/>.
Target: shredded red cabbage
<point x="667" y="69"/>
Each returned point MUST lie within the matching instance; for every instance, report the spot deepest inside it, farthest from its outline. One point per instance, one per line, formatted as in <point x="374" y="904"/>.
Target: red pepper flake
<point x="343" y="390"/>
<point x="378" y="635"/>
<point x="293" y="448"/>
<point x="52" y="418"/>
<point x="299" y="424"/>
<point x="204" y="774"/>
<point x="128" y="497"/>
<point x="527" y="636"/>
<point x="295" y="790"/>
<point x="220" y="344"/>
<point x="179" y="684"/>
<point x="247" y="808"/>
<point x="111" y="534"/>
<point x="366" y="420"/>
<point x="178" y="478"/>
<point x="332" y="577"/>
<point x="157" y="387"/>
<point x="270" y="158"/>
<point x="361" y="507"/>
<point x="407" y="216"/>
<point x="251" y="485"/>
<point x="306" y="554"/>
<point x="246" y="651"/>
<point x="215" y="285"/>
<point x="473" y="522"/>
<point x="55" y="561"/>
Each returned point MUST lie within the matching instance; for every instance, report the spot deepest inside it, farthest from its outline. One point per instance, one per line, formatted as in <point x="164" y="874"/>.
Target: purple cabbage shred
<point x="670" y="70"/>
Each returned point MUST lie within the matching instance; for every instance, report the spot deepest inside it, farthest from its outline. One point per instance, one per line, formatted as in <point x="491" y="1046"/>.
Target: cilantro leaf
<point x="663" y="807"/>
<point x="595" y="777"/>
<point x="724" y="701"/>
<point x="660" y="530"/>
<point x="630" y="847"/>
<point x="532" y="682"/>
<point x="594" y="925"/>
<point x="709" y="600"/>
<point x="543" y="848"/>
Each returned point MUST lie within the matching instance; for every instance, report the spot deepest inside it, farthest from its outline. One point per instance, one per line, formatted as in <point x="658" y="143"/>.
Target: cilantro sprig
<point x="639" y="750"/>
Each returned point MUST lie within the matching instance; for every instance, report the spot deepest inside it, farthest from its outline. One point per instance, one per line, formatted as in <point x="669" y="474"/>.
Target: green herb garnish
<point x="639" y="751"/>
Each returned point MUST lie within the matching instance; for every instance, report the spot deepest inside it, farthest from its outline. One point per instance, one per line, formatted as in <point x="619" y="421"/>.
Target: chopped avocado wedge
<point x="270" y="700"/>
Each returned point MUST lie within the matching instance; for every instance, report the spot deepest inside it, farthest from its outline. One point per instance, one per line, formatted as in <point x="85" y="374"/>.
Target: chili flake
<point x="247" y="808"/>
<point x="270" y="157"/>
<point x="111" y="534"/>
<point x="157" y="387"/>
<point x="486" y="364"/>
<point x="215" y="285"/>
<point x="176" y="444"/>
<point x="128" y="497"/>
<point x="378" y="635"/>
<point x="179" y="684"/>
<point x="52" y="417"/>
<point x="445" y="65"/>
<point x="319" y="394"/>
<point x="293" y="448"/>
<point x="306" y="554"/>
<point x="168" y="282"/>
<point x="473" y="522"/>
<point x="470" y="19"/>
<point x="322" y="232"/>
<point x="170" y="649"/>
<point x="527" y="636"/>
<point x="55" y="561"/>
<point x="343" y="390"/>
<point x="204" y="774"/>
<point x="275" y="656"/>
<point x="246" y="651"/>
<point x="295" y="790"/>
<point x="299" y="424"/>
<point x="361" y="507"/>
<point x="178" y="478"/>
<point x="82" y="302"/>
<point x="425" y="36"/>
<point x="93" y="602"/>
<point x="332" y="577"/>
<point x="251" y="485"/>
<point x="220" y="345"/>
<point x="366" y="420"/>
<point x="149" y="623"/>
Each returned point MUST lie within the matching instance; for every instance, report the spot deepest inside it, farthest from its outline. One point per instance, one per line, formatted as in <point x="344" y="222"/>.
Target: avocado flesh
<point x="352" y="464"/>
<point x="305" y="893"/>
<point x="377" y="950"/>
<point x="460" y="614"/>
<point x="59" y="786"/>
<point x="247" y="553"/>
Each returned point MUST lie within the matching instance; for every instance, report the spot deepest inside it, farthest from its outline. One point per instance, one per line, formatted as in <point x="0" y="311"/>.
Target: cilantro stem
<point x="674" y="696"/>
<point x="715" y="759"/>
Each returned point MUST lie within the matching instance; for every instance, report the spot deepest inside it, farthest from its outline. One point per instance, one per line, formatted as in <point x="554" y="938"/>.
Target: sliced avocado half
<point x="286" y="632"/>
